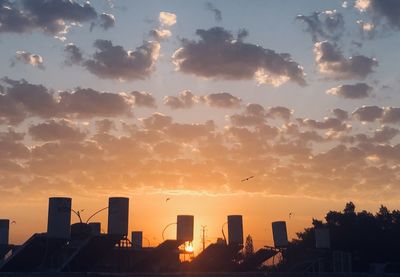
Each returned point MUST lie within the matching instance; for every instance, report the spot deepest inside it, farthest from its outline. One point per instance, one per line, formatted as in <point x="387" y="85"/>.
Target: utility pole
<point x="203" y="237"/>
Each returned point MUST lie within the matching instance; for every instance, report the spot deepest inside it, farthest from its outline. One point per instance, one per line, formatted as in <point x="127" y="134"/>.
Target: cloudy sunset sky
<point x="184" y="99"/>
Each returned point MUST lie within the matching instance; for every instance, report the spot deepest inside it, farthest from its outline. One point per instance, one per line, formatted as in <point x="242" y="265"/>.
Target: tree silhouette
<point x="248" y="246"/>
<point x="369" y="238"/>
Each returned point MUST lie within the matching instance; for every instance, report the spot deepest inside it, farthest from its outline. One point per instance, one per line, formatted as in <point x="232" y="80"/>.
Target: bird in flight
<point x="246" y="179"/>
<point x="166" y="200"/>
<point x="13" y="222"/>
<point x="290" y="215"/>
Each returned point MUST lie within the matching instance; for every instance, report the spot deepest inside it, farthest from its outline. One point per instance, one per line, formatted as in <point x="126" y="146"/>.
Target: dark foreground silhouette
<point x="366" y="239"/>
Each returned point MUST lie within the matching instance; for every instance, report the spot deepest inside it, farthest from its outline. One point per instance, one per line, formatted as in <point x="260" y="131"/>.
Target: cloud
<point x="160" y="34"/>
<point x="56" y="130"/>
<point x="279" y="112"/>
<point x="105" y="21"/>
<point x="331" y="62"/>
<point x="356" y="91"/>
<point x="217" y="13"/>
<point x="156" y="121"/>
<point x="324" y="25"/>
<point x="221" y="100"/>
<point x="144" y="99"/>
<point x="253" y="115"/>
<point x="167" y="19"/>
<point x="48" y="16"/>
<point x="189" y="132"/>
<point x="73" y="54"/>
<point x="186" y="99"/>
<point x="373" y="113"/>
<point x="368" y="113"/>
<point x="13" y="149"/>
<point x="391" y="115"/>
<point x="21" y="99"/>
<point x="87" y="103"/>
<point x="328" y="123"/>
<point x="385" y="134"/>
<point x="104" y="125"/>
<point x="114" y="62"/>
<point x="340" y="114"/>
<point x="28" y="58"/>
<point x="219" y="55"/>
<point x="163" y="154"/>
<point x="367" y="29"/>
<point x="388" y="10"/>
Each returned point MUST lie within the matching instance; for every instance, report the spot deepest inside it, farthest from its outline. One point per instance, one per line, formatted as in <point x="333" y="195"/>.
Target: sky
<point x="184" y="99"/>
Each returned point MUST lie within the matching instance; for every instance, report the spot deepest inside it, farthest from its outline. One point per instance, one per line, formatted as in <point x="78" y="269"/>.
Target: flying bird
<point x="166" y="200"/>
<point x="246" y="179"/>
<point x="290" y="215"/>
<point x="13" y="222"/>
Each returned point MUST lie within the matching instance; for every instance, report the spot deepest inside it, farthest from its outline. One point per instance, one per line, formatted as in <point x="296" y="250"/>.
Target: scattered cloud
<point x="368" y="113"/>
<point x="56" y="130"/>
<point x="219" y="55"/>
<point x="114" y="62"/>
<point x="48" y="16"/>
<point x="324" y="25"/>
<point x="143" y="99"/>
<point x="217" y="13"/>
<point x="356" y="91"/>
<point x="381" y="10"/>
<point x="367" y="29"/>
<point x="87" y="103"/>
<point x="340" y="114"/>
<point x="28" y="58"/>
<point x="279" y="112"/>
<point x="331" y="62"/>
<point x="167" y="18"/>
<point x="73" y="54"/>
<point x="186" y="99"/>
<point x="160" y="34"/>
<point x="104" y="21"/>
<point x="221" y="100"/>
<point x="21" y="100"/>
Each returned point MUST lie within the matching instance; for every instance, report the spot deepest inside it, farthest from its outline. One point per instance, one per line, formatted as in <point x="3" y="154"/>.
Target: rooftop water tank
<point x="279" y="233"/>
<point x="322" y="238"/>
<point x="4" y="231"/>
<point x="184" y="229"/>
<point x="118" y="215"/>
<point x="59" y="217"/>
<point x="235" y="230"/>
<point x="95" y="227"/>
<point x="137" y="239"/>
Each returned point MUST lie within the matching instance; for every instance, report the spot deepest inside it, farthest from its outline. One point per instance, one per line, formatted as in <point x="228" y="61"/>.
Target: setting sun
<point x="189" y="247"/>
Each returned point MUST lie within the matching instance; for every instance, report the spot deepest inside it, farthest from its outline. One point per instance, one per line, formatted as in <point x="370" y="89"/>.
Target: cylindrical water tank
<point x="137" y="239"/>
<point x="322" y="238"/>
<point x="96" y="227"/>
<point x="4" y="231"/>
<point x="280" y="234"/>
<point x="235" y="230"/>
<point x="59" y="218"/>
<point x="184" y="229"/>
<point x="118" y="215"/>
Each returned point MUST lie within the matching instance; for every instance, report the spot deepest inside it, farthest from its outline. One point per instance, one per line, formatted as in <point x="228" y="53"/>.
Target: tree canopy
<point x="370" y="238"/>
